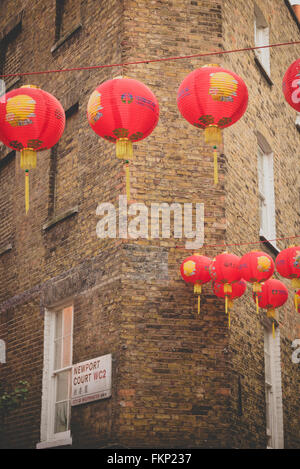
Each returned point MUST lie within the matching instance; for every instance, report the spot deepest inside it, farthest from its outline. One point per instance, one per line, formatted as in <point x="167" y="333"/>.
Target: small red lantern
<point x="256" y="267"/>
<point x="272" y="295"/>
<point x="195" y="270"/>
<point x="31" y="120"/>
<point x="225" y="270"/>
<point x="123" y="111"/>
<point x="288" y="266"/>
<point x="237" y="290"/>
<point x="212" y="98"/>
<point x="291" y="85"/>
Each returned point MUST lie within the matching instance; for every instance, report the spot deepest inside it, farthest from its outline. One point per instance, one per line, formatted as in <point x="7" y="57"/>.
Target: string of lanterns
<point x="230" y="274"/>
<point x="124" y="111"/>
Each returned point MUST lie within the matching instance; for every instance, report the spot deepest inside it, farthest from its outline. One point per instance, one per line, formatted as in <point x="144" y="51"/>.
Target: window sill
<point x="6" y="248"/>
<point x="263" y="71"/>
<point x="61" y="217"/>
<point x="53" y="443"/>
<point x="12" y="83"/>
<point x="270" y="245"/>
<point x="65" y="38"/>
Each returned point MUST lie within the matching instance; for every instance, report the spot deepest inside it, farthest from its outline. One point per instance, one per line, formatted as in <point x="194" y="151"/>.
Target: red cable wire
<point x="149" y="60"/>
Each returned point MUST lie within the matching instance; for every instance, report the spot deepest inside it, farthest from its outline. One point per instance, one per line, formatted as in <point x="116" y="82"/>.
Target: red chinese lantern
<point x="288" y="266"/>
<point x="31" y="120"/>
<point x="195" y="270"/>
<point x="273" y="294"/>
<point x="224" y="269"/>
<point x="237" y="290"/>
<point x="123" y="111"/>
<point x="256" y="267"/>
<point x="212" y="98"/>
<point x="291" y="85"/>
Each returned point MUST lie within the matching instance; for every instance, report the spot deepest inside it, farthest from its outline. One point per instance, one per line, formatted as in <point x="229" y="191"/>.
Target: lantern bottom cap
<point x="28" y="158"/>
<point x="124" y="148"/>
<point x="213" y="135"/>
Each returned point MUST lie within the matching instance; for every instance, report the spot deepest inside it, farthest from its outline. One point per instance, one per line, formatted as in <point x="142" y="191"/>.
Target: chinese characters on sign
<point x="91" y="380"/>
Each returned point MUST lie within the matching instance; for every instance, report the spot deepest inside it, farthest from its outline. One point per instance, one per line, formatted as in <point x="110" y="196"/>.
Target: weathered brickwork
<point x="178" y="379"/>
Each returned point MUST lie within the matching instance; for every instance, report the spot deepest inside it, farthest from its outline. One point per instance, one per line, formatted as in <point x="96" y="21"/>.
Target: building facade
<point x="67" y="297"/>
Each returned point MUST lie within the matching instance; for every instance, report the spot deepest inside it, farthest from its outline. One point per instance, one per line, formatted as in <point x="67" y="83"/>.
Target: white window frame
<point x="273" y="388"/>
<point x="48" y="438"/>
<point x="261" y="38"/>
<point x="298" y="121"/>
<point x="266" y="193"/>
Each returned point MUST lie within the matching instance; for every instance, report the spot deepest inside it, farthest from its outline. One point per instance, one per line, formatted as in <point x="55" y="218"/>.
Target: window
<point x="273" y="392"/>
<point x="7" y="184"/>
<point x="261" y="38"/>
<point x="298" y="121"/>
<point x="63" y="176"/>
<point x="2" y="351"/>
<point x="10" y="56"/>
<point x="62" y="369"/>
<point x="56" y="398"/>
<point x="67" y="21"/>
<point x="266" y="196"/>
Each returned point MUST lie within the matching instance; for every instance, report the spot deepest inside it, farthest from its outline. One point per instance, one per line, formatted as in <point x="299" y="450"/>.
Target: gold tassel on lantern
<point x="197" y="291"/>
<point x="127" y="179"/>
<point x="230" y="305"/>
<point x="227" y="291"/>
<point x="213" y="136"/>
<point x="124" y="151"/>
<point x="124" y="148"/>
<point x="257" y="288"/>
<point x="296" y="301"/>
<point x="271" y="314"/>
<point x="28" y="161"/>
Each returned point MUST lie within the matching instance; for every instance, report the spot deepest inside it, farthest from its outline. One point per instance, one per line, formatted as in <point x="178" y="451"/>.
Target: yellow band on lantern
<point x="257" y="287"/>
<point x="198" y="288"/>
<point x="30" y="86"/>
<point x="28" y="158"/>
<point x="124" y="148"/>
<point x="213" y="135"/>
<point x="296" y="283"/>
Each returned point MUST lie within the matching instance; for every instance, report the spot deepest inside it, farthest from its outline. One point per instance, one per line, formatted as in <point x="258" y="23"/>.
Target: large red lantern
<point x="212" y="98"/>
<point x="256" y="267"/>
<point x="225" y="270"/>
<point x="273" y="294"/>
<point x="291" y="85"/>
<point x="123" y="111"/>
<point x="288" y="266"/>
<point x="195" y="270"/>
<point x="237" y="290"/>
<point x="31" y="120"/>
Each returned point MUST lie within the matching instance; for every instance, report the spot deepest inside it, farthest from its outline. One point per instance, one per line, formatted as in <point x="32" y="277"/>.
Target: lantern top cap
<point x="30" y="86"/>
<point x="211" y="65"/>
<point x="120" y="77"/>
